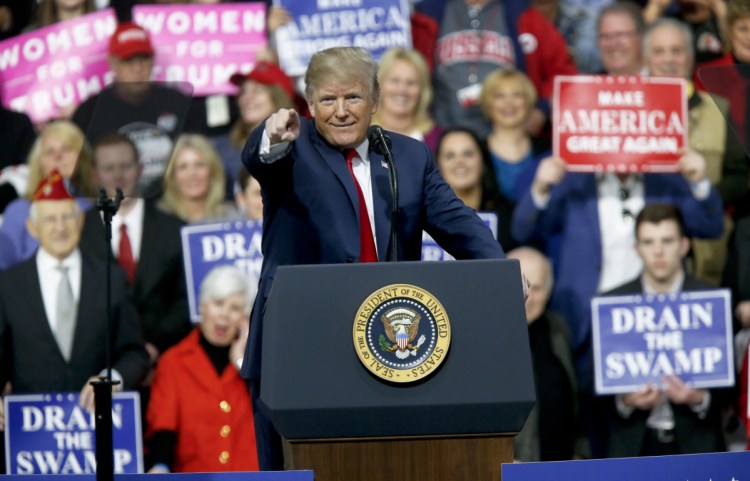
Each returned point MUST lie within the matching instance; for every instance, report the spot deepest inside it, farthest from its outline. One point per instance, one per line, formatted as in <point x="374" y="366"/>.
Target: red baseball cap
<point x="130" y="40"/>
<point x="266" y="73"/>
<point x="52" y="187"/>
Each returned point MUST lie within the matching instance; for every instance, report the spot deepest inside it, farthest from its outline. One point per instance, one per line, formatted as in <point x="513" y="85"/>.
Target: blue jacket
<point x="311" y="212"/>
<point x="572" y="214"/>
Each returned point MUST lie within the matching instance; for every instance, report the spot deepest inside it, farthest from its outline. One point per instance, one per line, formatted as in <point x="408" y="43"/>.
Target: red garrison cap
<point x="52" y="187"/>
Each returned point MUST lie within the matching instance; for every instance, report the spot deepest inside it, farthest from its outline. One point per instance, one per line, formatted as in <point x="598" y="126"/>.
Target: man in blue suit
<point x="590" y="218"/>
<point x="327" y="197"/>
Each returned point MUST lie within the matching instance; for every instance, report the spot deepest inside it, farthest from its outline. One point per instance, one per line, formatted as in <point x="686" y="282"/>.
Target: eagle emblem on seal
<point x="401" y="327"/>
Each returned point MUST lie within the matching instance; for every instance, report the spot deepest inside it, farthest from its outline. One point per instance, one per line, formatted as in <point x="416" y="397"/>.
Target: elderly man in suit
<point x="53" y="311"/>
<point x="326" y="192"/>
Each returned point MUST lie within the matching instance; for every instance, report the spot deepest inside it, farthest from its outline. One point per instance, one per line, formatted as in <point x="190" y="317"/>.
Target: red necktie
<point x="125" y="258"/>
<point x="367" y="251"/>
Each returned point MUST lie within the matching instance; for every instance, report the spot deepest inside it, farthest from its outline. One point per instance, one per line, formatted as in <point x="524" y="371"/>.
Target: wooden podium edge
<point x="469" y="457"/>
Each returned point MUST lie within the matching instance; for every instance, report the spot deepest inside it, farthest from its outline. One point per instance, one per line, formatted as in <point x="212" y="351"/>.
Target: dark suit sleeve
<point x="129" y="358"/>
<point x="454" y="226"/>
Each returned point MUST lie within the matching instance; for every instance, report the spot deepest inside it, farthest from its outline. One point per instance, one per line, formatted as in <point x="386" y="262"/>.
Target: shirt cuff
<point x="702" y="409"/>
<point x="271" y="153"/>
<point x="701" y="190"/>
<point x="622" y="409"/>
<point x="116" y="376"/>
<point x="540" y="202"/>
<point x="162" y="466"/>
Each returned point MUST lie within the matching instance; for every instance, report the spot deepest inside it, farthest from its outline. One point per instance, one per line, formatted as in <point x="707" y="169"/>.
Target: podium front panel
<point x="314" y="385"/>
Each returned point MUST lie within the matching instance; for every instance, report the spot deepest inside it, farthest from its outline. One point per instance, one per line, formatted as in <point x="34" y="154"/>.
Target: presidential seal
<point x="401" y="333"/>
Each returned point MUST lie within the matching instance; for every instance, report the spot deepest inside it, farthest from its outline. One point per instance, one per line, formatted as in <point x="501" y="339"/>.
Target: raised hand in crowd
<point x="550" y="172"/>
<point x="692" y="166"/>
<point x="277" y="17"/>
<point x="283" y="126"/>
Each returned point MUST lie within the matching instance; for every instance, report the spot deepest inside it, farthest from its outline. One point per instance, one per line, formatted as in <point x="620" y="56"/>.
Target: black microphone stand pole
<point x="105" y="470"/>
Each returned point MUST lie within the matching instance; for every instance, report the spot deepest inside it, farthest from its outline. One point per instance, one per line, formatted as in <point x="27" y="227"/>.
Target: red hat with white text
<point x="130" y="40"/>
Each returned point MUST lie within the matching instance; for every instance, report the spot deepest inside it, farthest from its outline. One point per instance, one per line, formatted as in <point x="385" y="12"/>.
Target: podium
<point x="347" y="424"/>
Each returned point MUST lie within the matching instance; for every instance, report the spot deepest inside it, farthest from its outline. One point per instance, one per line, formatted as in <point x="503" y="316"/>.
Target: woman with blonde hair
<point x="405" y="96"/>
<point x="61" y="146"/>
<point x="194" y="183"/>
<point x="507" y="100"/>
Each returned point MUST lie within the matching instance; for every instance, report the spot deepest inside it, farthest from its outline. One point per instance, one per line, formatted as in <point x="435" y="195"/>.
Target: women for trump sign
<point x="641" y="338"/>
<point x="619" y="124"/>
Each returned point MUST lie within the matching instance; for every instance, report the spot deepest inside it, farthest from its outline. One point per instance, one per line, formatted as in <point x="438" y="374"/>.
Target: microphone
<point x="379" y="140"/>
<point x="381" y="144"/>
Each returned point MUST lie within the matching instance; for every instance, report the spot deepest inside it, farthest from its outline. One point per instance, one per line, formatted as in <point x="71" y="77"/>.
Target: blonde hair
<point x="48" y="13"/>
<point x="736" y="10"/>
<point x="422" y="120"/>
<point x="240" y="131"/>
<point x="342" y="65"/>
<point x="81" y="182"/>
<point x="503" y="75"/>
<point x="171" y="200"/>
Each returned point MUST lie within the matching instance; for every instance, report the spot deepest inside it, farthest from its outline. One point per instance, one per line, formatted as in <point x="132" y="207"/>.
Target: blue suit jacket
<point x="311" y="212"/>
<point x="572" y="213"/>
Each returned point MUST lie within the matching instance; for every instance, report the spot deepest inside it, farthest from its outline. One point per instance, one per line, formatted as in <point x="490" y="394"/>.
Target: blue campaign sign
<point x="641" y="338"/>
<point x="431" y="251"/>
<point x="207" y="246"/>
<point x="375" y="25"/>
<point x="693" y="467"/>
<point x="235" y="476"/>
<point x="51" y="434"/>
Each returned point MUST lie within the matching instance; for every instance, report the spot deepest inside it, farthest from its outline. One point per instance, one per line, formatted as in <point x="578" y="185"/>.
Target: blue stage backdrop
<point x="693" y="467"/>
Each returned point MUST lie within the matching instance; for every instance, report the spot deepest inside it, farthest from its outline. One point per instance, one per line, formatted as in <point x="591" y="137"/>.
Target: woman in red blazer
<point x="200" y="415"/>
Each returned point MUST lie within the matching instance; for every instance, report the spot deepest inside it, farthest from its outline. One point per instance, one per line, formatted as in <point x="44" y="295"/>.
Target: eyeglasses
<point x="616" y="36"/>
<point x="627" y="214"/>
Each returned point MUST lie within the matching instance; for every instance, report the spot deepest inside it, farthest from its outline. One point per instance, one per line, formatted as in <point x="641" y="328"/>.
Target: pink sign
<point x="204" y="44"/>
<point x="47" y="72"/>
<point x="619" y="124"/>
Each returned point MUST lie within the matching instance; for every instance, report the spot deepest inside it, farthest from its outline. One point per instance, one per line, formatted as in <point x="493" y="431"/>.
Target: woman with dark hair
<point x="463" y="162"/>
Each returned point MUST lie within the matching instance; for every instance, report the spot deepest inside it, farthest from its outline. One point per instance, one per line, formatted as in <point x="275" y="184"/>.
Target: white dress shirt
<point x="134" y="223"/>
<point x="49" y="280"/>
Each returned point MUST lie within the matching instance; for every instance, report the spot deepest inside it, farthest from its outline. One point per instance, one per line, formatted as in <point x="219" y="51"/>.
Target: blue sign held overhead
<point x="52" y="434"/>
<point x="641" y="338"/>
<point x="376" y="25"/>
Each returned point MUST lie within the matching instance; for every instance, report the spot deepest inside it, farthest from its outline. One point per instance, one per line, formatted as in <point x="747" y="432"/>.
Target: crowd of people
<point x="477" y="90"/>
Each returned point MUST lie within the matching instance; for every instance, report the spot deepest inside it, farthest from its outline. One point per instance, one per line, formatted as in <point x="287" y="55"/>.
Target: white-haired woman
<point x="200" y="415"/>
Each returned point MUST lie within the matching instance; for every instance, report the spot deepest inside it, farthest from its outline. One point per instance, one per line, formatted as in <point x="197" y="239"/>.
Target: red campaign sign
<point x="619" y="124"/>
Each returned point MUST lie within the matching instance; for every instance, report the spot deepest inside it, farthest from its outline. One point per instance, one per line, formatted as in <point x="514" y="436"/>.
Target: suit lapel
<point x="337" y="163"/>
<point x="86" y="329"/>
<point x="38" y="318"/>
<point x="382" y="203"/>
